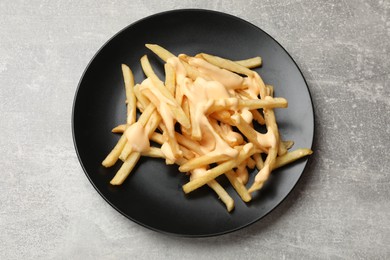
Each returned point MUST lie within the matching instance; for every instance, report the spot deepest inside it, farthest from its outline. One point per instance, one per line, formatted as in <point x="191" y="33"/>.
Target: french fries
<point x="202" y="117"/>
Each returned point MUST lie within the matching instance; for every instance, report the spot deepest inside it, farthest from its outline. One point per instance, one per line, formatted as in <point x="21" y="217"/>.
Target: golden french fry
<point x="140" y="97"/>
<point x="248" y="131"/>
<point x="250" y="163"/>
<point x="235" y="104"/>
<point x="143" y="119"/>
<point x="259" y="161"/>
<point x="223" y="195"/>
<point x="160" y="51"/>
<point x="119" y="129"/>
<point x="213" y="173"/>
<point x="250" y="63"/>
<point x="200" y="161"/>
<point x="291" y="157"/>
<point x="238" y="186"/>
<point x="113" y="156"/>
<point x="270" y="90"/>
<point x="288" y="144"/>
<point x="188" y="143"/>
<point x="130" y="97"/>
<point x="242" y="173"/>
<point x="258" y="117"/>
<point x="154" y="152"/>
<point x="125" y="169"/>
<point x="170" y="81"/>
<point x="263" y="175"/>
<point x="227" y="64"/>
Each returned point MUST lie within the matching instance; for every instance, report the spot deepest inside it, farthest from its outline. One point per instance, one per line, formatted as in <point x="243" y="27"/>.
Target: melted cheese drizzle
<point x="200" y="94"/>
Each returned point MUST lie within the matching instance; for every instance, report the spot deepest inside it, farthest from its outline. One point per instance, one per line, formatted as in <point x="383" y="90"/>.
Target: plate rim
<point x="230" y="16"/>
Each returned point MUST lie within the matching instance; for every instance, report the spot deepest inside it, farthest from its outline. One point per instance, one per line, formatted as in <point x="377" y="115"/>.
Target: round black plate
<point x="152" y="196"/>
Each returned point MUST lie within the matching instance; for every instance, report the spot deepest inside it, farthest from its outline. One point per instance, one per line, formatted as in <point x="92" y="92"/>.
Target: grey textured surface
<point x="340" y="208"/>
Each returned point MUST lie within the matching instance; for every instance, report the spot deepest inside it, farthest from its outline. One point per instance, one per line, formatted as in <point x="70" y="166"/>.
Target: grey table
<point x="339" y="209"/>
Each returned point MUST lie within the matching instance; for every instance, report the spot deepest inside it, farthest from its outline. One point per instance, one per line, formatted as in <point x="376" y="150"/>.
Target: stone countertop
<point x="339" y="209"/>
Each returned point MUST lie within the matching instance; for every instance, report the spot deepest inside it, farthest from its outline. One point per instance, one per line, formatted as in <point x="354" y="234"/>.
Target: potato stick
<point x="170" y="81"/>
<point x="270" y="119"/>
<point x="270" y="91"/>
<point x="140" y="107"/>
<point x="140" y="97"/>
<point x="258" y="117"/>
<point x="263" y="175"/>
<point x="186" y="152"/>
<point x="235" y="104"/>
<point x="179" y="95"/>
<point x="250" y="63"/>
<point x="171" y="140"/>
<point x="238" y="186"/>
<point x="186" y="109"/>
<point x="227" y="64"/>
<point x="119" y="129"/>
<point x="291" y="157"/>
<point x="158" y="138"/>
<point x="160" y="51"/>
<point x="202" y="160"/>
<point x="288" y="144"/>
<point x="176" y="109"/>
<point x="223" y="195"/>
<point x="125" y="169"/>
<point x="242" y="173"/>
<point x="154" y="152"/>
<point x="218" y="170"/>
<point x="188" y="143"/>
<point x="130" y="97"/>
<point x="251" y="163"/>
<point x="248" y="131"/>
<point x="223" y="116"/>
<point x="143" y="119"/>
<point x="282" y="150"/>
<point x="260" y="83"/>
<point x="259" y="161"/>
<point x="126" y="151"/>
<point x="113" y="156"/>
<point x="192" y="72"/>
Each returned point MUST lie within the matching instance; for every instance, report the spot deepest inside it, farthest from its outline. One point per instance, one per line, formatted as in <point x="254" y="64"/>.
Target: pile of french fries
<point x="205" y="137"/>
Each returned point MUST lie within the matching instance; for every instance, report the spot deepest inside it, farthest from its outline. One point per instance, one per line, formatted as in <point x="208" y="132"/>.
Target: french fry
<point x="288" y="144"/>
<point x="238" y="186"/>
<point x="227" y="64"/>
<point x="258" y="117"/>
<point x="250" y="63"/>
<point x="154" y="152"/>
<point x="127" y="149"/>
<point x="113" y="156"/>
<point x="130" y="97"/>
<point x="203" y="160"/>
<point x="119" y="129"/>
<point x="223" y="195"/>
<point x="259" y="161"/>
<point x="125" y="169"/>
<point x="218" y="170"/>
<point x="160" y="51"/>
<point x="242" y="173"/>
<point x="291" y="157"/>
<point x="170" y="81"/>
<point x="234" y="104"/>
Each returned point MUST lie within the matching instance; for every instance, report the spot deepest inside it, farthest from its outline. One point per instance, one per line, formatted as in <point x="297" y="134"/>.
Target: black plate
<point x="152" y="196"/>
